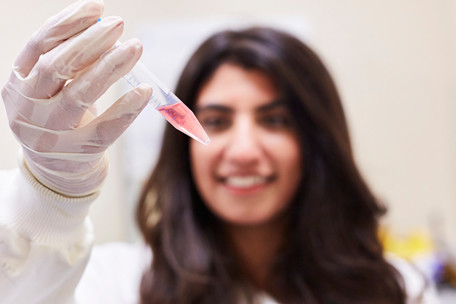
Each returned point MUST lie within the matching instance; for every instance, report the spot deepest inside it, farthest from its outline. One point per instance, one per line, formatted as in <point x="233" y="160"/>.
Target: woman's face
<point x="251" y="170"/>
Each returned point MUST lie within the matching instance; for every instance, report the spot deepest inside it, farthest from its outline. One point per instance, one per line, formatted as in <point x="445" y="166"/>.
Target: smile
<point x="245" y="182"/>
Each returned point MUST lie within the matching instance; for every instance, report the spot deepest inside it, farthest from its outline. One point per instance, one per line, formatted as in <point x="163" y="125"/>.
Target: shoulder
<point x="419" y="289"/>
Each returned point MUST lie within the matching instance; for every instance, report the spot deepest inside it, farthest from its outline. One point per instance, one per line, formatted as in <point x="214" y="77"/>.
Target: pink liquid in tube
<point x="168" y="104"/>
<point x="183" y="119"/>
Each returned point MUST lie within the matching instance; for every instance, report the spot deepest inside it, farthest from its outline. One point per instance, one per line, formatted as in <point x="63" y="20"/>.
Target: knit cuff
<point x="35" y="212"/>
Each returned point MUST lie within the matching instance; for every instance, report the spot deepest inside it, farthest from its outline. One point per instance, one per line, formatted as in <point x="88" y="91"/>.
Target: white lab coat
<point x="46" y="241"/>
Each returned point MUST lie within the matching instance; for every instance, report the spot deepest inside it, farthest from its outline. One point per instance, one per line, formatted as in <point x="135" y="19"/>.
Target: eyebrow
<point x="225" y="109"/>
<point x="213" y="107"/>
<point x="272" y="106"/>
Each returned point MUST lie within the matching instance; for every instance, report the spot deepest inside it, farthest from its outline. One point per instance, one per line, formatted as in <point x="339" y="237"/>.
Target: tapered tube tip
<point x="183" y="119"/>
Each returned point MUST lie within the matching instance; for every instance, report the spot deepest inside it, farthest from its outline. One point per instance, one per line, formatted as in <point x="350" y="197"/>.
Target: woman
<point x="275" y="203"/>
<point x="273" y="209"/>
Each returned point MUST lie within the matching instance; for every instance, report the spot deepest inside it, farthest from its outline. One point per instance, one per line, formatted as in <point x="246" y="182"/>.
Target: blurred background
<point x="394" y="62"/>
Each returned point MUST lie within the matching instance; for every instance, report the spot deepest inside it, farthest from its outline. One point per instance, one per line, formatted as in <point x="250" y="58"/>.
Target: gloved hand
<point x="63" y="140"/>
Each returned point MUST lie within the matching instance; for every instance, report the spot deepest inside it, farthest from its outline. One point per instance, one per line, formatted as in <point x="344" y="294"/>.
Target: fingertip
<point x="145" y="90"/>
<point x="138" y="44"/>
<point x="135" y="46"/>
<point x="135" y="41"/>
<point x="92" y="10"/>
<point x="94" y="6"/>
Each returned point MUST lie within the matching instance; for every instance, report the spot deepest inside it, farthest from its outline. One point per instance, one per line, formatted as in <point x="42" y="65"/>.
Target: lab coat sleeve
<point x="45" y="240"/>
<point x="114" y="273"/>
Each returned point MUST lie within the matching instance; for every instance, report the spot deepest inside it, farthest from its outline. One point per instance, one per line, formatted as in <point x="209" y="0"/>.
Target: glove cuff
<point x="68" y="177"/>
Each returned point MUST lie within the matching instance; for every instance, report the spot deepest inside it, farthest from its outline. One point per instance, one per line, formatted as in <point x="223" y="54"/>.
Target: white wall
<point x="394" y="62"/>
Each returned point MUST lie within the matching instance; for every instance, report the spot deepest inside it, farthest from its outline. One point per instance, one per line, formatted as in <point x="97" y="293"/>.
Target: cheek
<point x="200" y="160"/>
<point x="288" y="162"/>
<point x="292" y="159"/>
<point x="284" y="149"/>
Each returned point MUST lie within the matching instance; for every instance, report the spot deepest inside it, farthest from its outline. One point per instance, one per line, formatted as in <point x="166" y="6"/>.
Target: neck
<point x="256" y="248"/>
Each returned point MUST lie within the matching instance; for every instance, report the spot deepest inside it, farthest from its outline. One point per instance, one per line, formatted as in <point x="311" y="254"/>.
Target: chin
<point x="246" y="221"/>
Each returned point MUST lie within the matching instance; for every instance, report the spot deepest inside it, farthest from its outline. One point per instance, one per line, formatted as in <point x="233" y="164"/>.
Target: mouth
<point x="246" y="183"/>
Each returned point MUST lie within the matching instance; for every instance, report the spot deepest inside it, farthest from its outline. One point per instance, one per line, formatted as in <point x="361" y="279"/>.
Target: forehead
<point x="232" y="85"/>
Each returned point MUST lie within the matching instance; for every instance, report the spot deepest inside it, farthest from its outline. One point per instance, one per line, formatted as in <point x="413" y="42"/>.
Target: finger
<point x="83" y="91"/>
<point x="70" y="21"/>
<point x="101" y="132"/>
<point x="75" y="54"/>
<point x="95" y="136"/>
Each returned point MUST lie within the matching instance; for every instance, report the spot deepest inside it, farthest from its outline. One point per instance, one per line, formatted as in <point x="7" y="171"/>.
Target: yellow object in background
<point x="409" y="246"/>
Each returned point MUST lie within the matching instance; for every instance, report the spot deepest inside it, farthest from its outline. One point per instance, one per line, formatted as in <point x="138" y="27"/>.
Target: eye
<point x="276" y="121"/>
<point x="215" y="123"/>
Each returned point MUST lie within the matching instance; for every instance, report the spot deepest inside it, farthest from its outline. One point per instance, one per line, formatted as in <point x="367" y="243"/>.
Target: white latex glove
<point x="63" y="141"/>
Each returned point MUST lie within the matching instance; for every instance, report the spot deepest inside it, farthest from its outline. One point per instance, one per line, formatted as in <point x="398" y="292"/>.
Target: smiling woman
<point x="275" y="204"/>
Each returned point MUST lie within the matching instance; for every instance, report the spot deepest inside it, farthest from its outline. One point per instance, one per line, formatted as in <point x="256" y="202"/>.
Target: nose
<point x="244" y="145"/>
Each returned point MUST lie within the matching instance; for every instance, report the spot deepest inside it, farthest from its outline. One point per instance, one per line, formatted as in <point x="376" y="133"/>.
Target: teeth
<point x="245" y="181"/>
